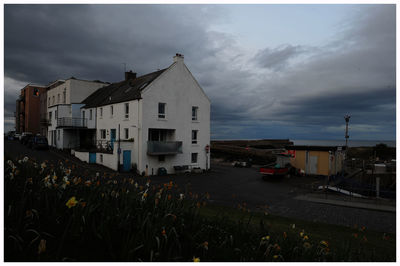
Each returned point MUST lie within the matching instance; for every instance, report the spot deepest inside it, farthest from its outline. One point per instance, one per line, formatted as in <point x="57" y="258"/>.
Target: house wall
<point x="83" y="156"/>
<point x="91" y="123"/>
<point x="177" y="88"/>
<point x="119" y="121"/>
<point x="81" y="89"/>
<point x="109" y="160"/>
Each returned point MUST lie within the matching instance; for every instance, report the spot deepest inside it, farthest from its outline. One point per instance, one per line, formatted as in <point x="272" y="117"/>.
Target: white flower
<point x="136" y="185"/>
<point x="148" y="183"/>
<point x="19" y="161"/>
<point x="97" y="174"/>
<point x="65" y="179"/>
<point x="181" y="196"/>
<point x="63" y="186"/>
<point x="25" y="159"/>
<point x="10" y="163"/>
<point x="11" y="176"/>
<point x="43" y="165"/>
<point x="35" y="165"/>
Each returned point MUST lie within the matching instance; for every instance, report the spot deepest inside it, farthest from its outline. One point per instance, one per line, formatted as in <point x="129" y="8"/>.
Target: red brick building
<point x="27" y="115"/>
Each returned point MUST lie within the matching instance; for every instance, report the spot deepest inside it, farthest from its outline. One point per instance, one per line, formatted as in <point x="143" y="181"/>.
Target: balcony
<point x="45" y="122"/>
<point x="75" y="122"/>
<point x="164" y="147"/>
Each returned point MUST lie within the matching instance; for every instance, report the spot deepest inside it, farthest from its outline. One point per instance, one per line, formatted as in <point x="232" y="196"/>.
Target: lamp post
<point x="347" y="119"/>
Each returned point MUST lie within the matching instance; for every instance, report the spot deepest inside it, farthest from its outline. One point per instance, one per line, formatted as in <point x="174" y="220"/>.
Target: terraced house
<point x="155" y="122"/>
<point x="65" y="125"/>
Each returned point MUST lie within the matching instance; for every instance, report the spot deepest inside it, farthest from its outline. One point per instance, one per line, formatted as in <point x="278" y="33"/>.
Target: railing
<point x="105" y="145"/>
<point x="71" y="122"/>
<point x="45" y="121"/>
<point x="164" y="147"/>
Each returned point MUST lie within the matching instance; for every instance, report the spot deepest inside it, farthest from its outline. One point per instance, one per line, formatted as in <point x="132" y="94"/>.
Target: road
<point x="232" y="186"/>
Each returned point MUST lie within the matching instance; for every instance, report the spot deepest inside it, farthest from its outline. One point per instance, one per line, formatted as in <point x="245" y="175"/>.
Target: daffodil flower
<point x="71" y="202"/>
<point x="196" y="259"/>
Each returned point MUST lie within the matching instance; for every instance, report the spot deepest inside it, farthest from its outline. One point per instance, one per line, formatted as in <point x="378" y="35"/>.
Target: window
<point x="194" y="157"/>
<point x="58" y="98"/>
<point x="126" y="133"/>
<point x="55" y="114"/>
<point x="101" y="112"/>
<point x="111" y="110"/>
<point x="103" y="133"/>
<point x="48" y="103"/>
<point x="161" y="110"/>
<point x="126" y="110"/>
<point x="194" y="136"/>
<point x="90" y="114"/>
<point x="83" y="114"/>
<point x="64" y="96"/>
<point x="50" y="116"/>
<point x="54" y="99"/>
<point x="161" y="158"/>
<point x="58" y="134"/>
<point x="101" y="158"/>
<point x="194" y="113"/>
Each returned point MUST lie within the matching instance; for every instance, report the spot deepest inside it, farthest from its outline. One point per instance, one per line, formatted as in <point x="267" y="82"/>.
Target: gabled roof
<point x="122" y="91"/>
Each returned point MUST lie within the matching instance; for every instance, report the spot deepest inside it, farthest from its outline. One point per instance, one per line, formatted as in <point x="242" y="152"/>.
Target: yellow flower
<point x="144" y="195"/>
<point x="196" y="259"/>
<point x="324" y="243"/>
<point x="71" y="202"/>
<point x="301" y="233"/>
<point x="42" y="246"/>
<point x="275" y="257"/>
<point x="305" y="237"/>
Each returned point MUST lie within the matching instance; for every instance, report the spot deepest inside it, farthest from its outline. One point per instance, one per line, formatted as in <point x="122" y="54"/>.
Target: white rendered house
<point x="65" y="124"/>
<point x="161" y="119"/>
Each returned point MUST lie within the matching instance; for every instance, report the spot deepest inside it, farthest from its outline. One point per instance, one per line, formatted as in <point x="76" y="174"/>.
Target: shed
<point x="317" y="160"/>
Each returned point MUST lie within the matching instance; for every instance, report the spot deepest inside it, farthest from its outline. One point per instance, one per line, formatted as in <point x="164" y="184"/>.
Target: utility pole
<point x="347" y="119"/>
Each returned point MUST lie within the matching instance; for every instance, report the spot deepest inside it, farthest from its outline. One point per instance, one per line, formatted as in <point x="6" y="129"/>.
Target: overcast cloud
<point x="291" y="90"/>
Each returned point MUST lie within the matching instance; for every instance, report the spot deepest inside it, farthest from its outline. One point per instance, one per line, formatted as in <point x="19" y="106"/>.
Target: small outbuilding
<point x="317" y="160"/>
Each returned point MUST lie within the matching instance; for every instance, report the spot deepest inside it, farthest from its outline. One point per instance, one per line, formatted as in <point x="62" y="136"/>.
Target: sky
<point x="270" y="71"/>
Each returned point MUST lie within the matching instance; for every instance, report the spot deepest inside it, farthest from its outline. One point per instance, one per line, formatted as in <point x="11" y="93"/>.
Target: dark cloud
<point x="292" y="90"/>
<point x="278" y="58"/>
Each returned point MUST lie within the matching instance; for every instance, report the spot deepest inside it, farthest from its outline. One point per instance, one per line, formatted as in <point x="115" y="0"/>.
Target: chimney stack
<point x="178" y="58"/>
<point x="130" y="75"/>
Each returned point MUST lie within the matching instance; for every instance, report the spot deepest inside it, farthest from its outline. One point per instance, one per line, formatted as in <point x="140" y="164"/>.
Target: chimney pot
<point x="130" y="75"/>
<point x="178" y="57"/>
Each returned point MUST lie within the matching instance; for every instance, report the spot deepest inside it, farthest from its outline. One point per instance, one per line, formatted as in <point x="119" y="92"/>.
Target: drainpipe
<point x="119" y="145"/>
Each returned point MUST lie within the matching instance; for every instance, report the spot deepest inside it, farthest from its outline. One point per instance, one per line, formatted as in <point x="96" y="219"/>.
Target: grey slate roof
<point x="122" y="91"/>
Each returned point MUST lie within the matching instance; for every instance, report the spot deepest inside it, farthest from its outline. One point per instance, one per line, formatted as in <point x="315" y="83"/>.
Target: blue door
<point x="92" y="157"/>
<point x="113" y="136"/>
<point x="127" y="161"/>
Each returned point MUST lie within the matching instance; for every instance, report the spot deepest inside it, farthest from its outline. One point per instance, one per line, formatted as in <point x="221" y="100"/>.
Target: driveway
<point x="231" y="186"/>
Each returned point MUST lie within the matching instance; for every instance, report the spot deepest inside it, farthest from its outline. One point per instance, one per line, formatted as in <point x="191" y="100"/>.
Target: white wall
<point x="81" y="89"/>
<point x="177" y="88"/>
<point x="109" y="160"/>
<point x="117" y="120"/>
<point x="91" y="123"/>
<point x="83" y="156"/>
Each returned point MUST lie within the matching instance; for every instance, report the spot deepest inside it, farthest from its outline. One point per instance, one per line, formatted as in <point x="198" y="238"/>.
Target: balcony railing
<point x="71" y="122"/>
<point x="45" y="122"/>
<point x="164" y="147"/>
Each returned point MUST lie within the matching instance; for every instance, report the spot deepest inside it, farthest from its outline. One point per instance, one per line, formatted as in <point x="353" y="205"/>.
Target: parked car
<point x="38" y="143"/>
<point x="17" y="136"/>
<point x="24" y="137"/>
